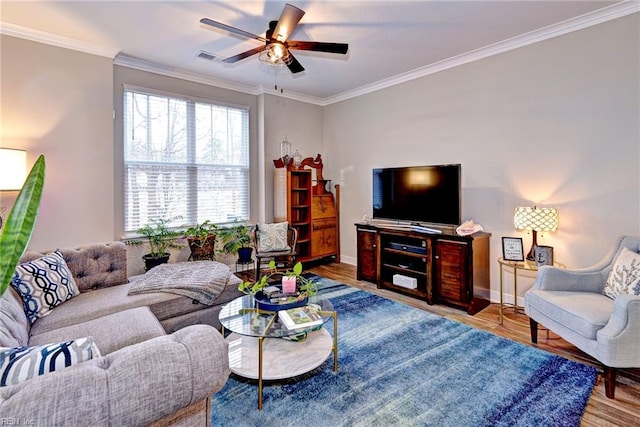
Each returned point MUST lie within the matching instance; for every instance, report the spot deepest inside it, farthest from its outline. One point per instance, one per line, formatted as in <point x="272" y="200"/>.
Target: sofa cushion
<point x="624" y="277"/>
<point x="14" y="326"/>
<point x="585" y="313"/>
<point x="273" y="237"/>
<point x="22" y="363"/>
<point x="110" y="333"/>
<point x="101" y="302"/>
<point x="44" y="284"/>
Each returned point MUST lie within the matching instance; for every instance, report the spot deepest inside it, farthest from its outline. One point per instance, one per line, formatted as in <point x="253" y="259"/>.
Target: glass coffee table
<point x="284" y="354"/>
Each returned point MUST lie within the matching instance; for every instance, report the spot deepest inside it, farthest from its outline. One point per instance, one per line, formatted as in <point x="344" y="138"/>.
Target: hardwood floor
<point x="623" y="411"/>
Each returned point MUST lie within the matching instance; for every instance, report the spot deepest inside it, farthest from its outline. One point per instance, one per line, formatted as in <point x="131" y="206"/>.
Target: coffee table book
<point x="300" y="318"/>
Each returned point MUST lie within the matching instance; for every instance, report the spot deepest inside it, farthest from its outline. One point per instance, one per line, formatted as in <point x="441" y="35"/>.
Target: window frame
<point x="191" y="143"/>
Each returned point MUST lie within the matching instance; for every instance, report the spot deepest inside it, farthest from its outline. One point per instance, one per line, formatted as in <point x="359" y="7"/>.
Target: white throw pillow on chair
<point x="273" y="237"/>
<point x="624" y="277"/>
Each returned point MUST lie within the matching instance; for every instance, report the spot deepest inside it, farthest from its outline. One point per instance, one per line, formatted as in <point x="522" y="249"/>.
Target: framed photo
<point x="512" y="249"/>
<point x="543" y="255"/>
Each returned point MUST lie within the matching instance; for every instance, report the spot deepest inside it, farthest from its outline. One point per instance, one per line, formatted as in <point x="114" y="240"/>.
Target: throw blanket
<point x="202" y="281"/>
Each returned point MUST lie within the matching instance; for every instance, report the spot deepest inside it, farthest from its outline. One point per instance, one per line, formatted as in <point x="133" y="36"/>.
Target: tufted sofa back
<point x="93" y="266"/>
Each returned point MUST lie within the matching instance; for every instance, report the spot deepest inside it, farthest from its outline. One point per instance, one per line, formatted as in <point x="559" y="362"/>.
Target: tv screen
<point x="423" y="194"/>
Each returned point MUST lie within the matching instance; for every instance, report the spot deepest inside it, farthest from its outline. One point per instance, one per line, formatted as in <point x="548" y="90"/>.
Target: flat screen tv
<point x="418" y="194"/>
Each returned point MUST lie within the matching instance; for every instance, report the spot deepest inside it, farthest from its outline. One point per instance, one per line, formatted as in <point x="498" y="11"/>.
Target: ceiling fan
<point x="277" y="49"/>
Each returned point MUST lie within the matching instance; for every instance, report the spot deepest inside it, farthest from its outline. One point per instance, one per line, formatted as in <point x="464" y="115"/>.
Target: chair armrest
<point x="625" y="315"/>
<point x="560" y="279"/>
<point x="619" y="339"/>
<point x="135" y="385"/>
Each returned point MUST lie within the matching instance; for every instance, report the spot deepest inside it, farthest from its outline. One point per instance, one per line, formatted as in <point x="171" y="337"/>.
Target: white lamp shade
<point x="538" y="219"/>
<point x="13" y="169"/>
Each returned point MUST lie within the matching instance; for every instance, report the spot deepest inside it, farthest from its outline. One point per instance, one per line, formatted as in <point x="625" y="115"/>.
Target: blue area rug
<point x="400" y="366"/>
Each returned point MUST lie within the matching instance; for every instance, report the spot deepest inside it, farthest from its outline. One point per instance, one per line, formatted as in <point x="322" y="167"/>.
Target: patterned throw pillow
<point x="44" y="284"/>
<point x="22" y="363"/>
<point x="273" y="237"/>
<point x="625" y="275"/>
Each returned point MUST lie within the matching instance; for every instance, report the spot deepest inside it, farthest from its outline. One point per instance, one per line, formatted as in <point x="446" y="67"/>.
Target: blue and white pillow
<point x="273" y="237"/>
<point x="44" y="284"/>
<point x="624" y="277"/>
<point x="22" y="363"/>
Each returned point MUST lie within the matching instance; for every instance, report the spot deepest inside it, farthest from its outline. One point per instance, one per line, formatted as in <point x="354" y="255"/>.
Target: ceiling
<point x="389" y="41"/>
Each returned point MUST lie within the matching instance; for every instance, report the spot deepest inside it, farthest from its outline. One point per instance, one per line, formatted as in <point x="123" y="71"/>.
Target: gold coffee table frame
<point x="236" y="317"/>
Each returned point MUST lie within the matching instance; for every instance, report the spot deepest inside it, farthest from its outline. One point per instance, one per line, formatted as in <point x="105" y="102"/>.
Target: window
<point x="184" y="160"/>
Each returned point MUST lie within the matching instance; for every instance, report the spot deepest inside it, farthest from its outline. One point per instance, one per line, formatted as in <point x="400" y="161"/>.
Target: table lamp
<point x="535" y="219"/>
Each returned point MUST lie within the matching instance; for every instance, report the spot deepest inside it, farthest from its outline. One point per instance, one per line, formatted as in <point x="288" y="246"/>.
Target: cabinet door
<point x="451" y="267"/>
<point x="367" y="255"/>
<point x="323" y="206"/>
<point x="323" y="239"/>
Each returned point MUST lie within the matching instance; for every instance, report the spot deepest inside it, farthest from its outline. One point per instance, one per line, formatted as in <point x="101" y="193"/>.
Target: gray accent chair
<point x="571" y="303"/>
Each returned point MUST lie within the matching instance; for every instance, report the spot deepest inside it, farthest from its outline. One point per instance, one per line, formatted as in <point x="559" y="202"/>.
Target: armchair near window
<point x="274" y="242"/>
<point x="572" y="303"/>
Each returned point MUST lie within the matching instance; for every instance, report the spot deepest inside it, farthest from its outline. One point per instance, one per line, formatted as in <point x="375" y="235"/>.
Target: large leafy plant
<point x="235" y="237"/>
<point x="17" y="230"/>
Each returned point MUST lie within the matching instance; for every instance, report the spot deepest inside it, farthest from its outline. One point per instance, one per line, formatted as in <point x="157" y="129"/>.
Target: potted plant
<point x="202" y="240"/>
<point x="303" y="284"/>
<point x="161" y="238"/>
<point x="237" y="240"/>
<point x="17" y="230"/>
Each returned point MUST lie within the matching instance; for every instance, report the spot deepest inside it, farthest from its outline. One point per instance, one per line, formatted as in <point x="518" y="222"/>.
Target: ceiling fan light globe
<point x="277" y="50"/>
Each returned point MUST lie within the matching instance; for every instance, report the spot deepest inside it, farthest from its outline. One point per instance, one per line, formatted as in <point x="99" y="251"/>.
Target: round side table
<point x="516" y="266"/>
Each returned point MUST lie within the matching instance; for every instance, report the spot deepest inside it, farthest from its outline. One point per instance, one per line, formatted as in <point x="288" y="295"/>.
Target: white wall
<point x="551" y="124"/>
<point x="301" y="123"/>
<point x="58" y="102"/>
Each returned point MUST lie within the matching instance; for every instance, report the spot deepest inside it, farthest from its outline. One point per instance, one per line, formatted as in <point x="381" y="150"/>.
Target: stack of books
<point x="300" y="318"/>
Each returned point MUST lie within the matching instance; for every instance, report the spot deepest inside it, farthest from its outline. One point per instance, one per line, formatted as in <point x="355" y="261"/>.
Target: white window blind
<point x="184" y="160"/>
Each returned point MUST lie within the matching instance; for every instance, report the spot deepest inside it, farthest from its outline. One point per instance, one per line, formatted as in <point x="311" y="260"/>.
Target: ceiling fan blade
<point x="319" y="46"/>
<point x="289" y="19"/>
<point x="243" y="55"/>
<point x="294" y="65"/>
<point x="231" y="29"/>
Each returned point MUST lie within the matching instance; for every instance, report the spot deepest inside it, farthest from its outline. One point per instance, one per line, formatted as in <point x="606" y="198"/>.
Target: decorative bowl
<point x="264" y="303"/>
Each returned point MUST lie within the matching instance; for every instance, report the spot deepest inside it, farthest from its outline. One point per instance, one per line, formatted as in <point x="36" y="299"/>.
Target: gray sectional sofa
<point x="161" y="358"/>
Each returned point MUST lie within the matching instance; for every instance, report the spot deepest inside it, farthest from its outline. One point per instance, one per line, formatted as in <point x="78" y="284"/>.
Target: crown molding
<point x="609" y="13"/>
<point x="142" y="65"/>
<point x="570" y="25"/>
<point x="58" y="41"/>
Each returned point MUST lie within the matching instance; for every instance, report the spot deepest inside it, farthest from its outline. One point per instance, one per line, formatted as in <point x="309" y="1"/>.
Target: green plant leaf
<point x="18" y="228"/>
<point x="297" y="269"/>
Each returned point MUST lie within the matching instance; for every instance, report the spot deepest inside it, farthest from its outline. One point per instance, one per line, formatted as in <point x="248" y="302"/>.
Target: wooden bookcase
<point x="446" y="268"/>
<point x="307" y="204"/>
<point x="299" y="209"/>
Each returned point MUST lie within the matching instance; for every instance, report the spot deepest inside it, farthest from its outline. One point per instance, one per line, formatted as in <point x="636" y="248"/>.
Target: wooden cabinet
<point x="367" y="254"/>
<point x="450" y="274"/>
<point x="439" y="268"/>
<point x="310" y="208"/>
<point x="324" y="239"/>
<point x="461" y="273"/>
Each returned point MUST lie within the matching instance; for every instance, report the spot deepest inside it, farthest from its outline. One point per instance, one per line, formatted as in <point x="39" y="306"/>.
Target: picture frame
<point x="512" y="249"/>
<point x="543" y="255"/>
